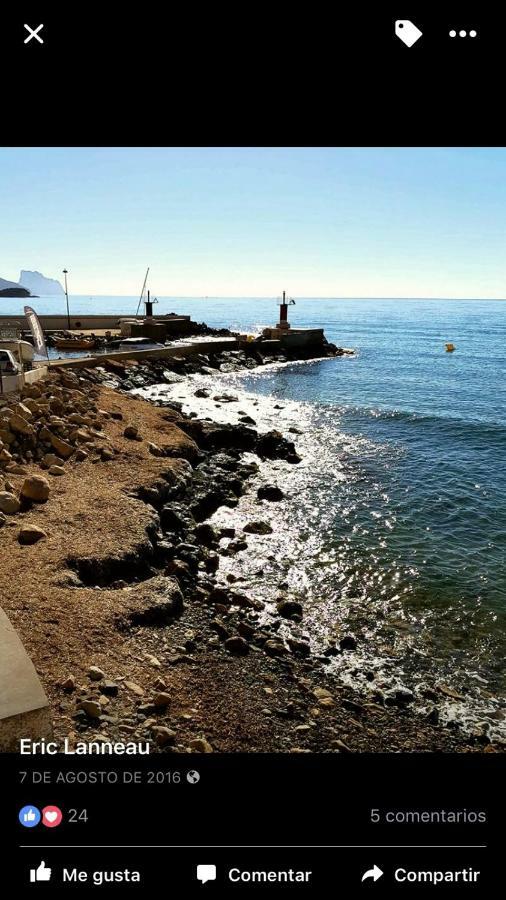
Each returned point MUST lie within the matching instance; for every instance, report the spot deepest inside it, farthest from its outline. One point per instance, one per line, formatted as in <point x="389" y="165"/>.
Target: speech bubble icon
<point x="206" y="873"/>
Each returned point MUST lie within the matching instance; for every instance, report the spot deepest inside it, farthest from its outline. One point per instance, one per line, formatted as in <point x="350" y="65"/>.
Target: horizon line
<point x="256" y="297"/>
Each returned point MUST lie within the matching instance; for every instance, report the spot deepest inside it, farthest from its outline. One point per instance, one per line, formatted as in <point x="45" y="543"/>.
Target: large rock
<point x="9" y="503"/>
<point x="50" y="459"/>
<point x="215" y="436"/>
<point x="237" y="645"/>
<point x="61" y="446"/>
<point x="273" y="445"/>
<point x="31" y="534"/>
<point x="35" y="488"/>
<point x="270" y="492"/>
<point x="153" y="602"/>
<point x="257" y="528"/>
<point x="20" y="425"/>
<point x="289" y="609"/>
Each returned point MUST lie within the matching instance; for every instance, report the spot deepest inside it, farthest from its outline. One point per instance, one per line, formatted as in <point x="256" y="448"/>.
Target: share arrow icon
<point x="372" y="873"/>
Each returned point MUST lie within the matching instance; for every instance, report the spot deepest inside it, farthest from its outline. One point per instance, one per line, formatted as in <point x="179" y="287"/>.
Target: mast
<point x="142" y="292"/>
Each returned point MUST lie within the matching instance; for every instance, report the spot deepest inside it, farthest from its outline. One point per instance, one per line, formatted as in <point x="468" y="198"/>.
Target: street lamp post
<point x="65" y="272"/>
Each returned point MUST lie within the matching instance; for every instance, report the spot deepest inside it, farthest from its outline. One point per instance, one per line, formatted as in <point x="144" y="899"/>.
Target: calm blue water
<point x="417" y="522"/>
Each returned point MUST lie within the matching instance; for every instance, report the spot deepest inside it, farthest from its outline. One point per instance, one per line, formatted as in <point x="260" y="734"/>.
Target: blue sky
<point x="250" y="222"/>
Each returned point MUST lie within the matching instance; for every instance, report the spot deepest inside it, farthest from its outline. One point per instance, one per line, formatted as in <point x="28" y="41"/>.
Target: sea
<point x="394" y="524"/>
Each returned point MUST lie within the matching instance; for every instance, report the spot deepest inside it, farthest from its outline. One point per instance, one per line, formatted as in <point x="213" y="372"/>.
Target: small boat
<point x="136" y="343"/>
<point x="450" y="348"/>
<point x="74" y="344"/>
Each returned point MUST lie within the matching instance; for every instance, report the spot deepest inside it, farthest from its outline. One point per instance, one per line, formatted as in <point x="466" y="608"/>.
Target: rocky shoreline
<point x="154" y="644"/>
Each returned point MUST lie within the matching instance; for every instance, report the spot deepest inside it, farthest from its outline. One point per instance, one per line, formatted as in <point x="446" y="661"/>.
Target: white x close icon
<point x="34" y="33"/>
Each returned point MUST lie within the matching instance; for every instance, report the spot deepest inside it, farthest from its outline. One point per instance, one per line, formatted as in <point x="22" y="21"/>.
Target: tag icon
<point x="407" y="32"/>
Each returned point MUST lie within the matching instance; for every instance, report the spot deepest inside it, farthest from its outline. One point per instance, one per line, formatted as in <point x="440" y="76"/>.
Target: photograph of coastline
<point x="252" y="490"/>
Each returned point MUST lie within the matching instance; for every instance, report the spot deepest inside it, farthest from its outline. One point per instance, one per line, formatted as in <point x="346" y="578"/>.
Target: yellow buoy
<point x="450" y="348"/>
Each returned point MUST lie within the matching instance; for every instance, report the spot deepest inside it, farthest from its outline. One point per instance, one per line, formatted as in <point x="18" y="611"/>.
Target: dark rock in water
<point x="187" y="548"/>
<point x="230" y="367"/>
<point x="175" y="519"/>
<point x="274" y="648"/>
<point x="236" y="547"/>
<point x="348" y="642"/>
<point x="433" y="716"/>
<point x="273" y="445"/>
<point x="225" y="461"/>
<point x="257" y="528"/>
<point x="247" y="420"/>
<point x="173" y="404"/>
<point x="301" y="648"/>
<point x="220" y="595"/>
<point x="270" y="492"/>
<point x="164" y="551"/>
<point x="172" y="378"/>
<point x="399" y="698"/>
<point x="226" y="398"/>
<point x="205" y="534"/>
<point x="294" y="430"/>
<point x="208" y="504"/>
<point x="404" y="696"/>
<point x="227" y="532"/>
<point x="212" y="562"/>
<point x="202" y="392"/>
<point x="215" y="436"/>
<point x="236" y="599"/>
<point x="289" y="608"/>
<point x="246" y="630"/>
<point x="237" y="645"/>
<point x="178" y="568"/>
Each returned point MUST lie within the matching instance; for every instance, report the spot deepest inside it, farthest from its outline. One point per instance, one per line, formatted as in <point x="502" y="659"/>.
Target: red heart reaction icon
<point x="51" y="816"/>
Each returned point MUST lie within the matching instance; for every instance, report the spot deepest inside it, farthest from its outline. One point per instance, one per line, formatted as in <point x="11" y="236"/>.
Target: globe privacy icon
<point x="407" y="32"/>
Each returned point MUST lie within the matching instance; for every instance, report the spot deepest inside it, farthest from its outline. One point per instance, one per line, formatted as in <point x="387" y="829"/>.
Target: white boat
<point x="139" y="343"/>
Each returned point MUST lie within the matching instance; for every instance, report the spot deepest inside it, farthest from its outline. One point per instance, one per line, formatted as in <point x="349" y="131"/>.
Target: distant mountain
<point x="39" y="284"/>
<point x="4" y="285"/>
<point x="11" y="289"/>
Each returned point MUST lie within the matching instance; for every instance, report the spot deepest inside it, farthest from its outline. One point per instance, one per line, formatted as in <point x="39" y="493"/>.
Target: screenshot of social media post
<point x="252" y="517"/>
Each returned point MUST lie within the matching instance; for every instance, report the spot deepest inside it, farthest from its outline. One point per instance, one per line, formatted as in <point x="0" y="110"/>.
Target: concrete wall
<point x="77" y="322"/>
<point x="9" y="383"/>
<point x="24" y="708"/>
<point x="33" y="375"/>
<point x="167" y="353"/>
